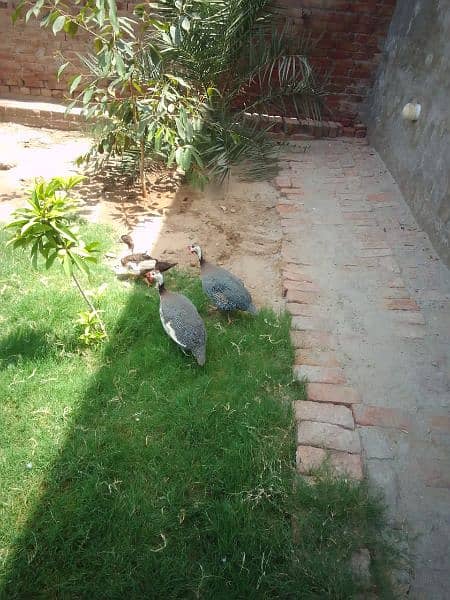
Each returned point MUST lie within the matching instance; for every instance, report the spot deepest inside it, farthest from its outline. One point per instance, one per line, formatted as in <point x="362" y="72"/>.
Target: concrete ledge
<point x="51" y="114"/>
<point x="36" y="113"/>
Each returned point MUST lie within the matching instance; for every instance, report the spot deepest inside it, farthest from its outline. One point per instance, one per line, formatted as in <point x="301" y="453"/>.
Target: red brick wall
<point x="347" y="38"/>
<point x="347" y="34"/>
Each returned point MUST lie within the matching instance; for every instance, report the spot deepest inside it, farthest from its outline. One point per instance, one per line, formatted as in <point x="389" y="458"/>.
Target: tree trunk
<point x="142" y="169"/>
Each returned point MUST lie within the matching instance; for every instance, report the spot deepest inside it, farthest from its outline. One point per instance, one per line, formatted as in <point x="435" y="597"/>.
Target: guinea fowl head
<point x="128" y="240"/>
<point x="155" y="277"/>
<point x="195" y="249"/>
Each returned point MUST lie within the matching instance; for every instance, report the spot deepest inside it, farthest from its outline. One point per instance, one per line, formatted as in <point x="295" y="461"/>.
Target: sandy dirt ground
<point x="236" y="223"/>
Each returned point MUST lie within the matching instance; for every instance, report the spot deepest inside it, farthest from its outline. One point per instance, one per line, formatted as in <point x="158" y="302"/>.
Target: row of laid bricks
<point x="325" y="422"/>
<point x="396" y="297"/>
<point x="328" y="421"/>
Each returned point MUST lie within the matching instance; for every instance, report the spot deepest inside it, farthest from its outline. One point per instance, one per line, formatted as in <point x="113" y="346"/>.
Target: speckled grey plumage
<point x="224" y="289"/>
<point x="183" y="324"/>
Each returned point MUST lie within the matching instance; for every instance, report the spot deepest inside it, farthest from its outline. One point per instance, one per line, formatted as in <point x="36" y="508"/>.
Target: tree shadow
<point x="132" y="472"/>
<point x="25" y="344"/>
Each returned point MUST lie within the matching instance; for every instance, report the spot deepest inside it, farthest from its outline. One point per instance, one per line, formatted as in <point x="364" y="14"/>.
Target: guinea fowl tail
<point x="252" y="309"/>
<point x="200" y="355"/>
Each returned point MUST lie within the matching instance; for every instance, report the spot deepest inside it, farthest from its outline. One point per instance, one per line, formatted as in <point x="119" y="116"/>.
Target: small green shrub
<point x="47" y="228"/>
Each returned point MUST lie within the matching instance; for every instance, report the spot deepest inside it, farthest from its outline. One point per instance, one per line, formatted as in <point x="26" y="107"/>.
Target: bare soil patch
<point x="235" y="223"/>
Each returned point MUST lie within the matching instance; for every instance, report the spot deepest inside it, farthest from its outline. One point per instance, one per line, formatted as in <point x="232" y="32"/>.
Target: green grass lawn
<point x="152" y="477"/>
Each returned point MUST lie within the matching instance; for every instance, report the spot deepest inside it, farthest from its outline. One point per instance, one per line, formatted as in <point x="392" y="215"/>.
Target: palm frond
<point x="240" y="144"/>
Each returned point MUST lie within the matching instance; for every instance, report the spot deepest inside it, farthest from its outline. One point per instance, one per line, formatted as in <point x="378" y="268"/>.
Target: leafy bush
<point x="176" y="83"/>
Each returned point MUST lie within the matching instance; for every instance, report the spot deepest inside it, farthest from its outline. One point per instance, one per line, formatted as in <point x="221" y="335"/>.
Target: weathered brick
<point x="401" y="304"/>
<point x="294" y="194"/>
<point x="286" y="209"/>
<point x="375" y="252"/>
<point x="316" y="374"/>
<point x="300" y="310"/>
<point x="380" y="197"/>
<point x="440" y="423"/>
<point x="436" y="473"/>
<point x="309" y="356"/>
<point x="301" y="286"/>
<point x="309" y="458"/>
<point x="301" y="323"/>
<point x="337" y="394"/>
<point x="292" y="273"/>
<point x="409" y="330"/>
<point x="313" y="339"/>
<point x="388" y="263"/>
<point x="376" y="442"/>
<point x="348" y="464"/>
<point x="326" y="435"/>
<point x="410" y="316"/>
<point x="382" y="416"/>
<point x="283" y="181"/>
<point x="301" y="297"/>
<point x="394" y="293"/>
<point x="324" y="412"/>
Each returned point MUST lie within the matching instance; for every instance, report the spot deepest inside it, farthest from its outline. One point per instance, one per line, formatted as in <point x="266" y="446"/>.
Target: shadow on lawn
<point x="148" y="496"/>
<point x="25" y="344"/>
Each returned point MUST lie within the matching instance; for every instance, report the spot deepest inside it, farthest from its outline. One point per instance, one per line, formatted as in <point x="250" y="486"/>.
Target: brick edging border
<point x="326" y="427"/>
<point x="38" y="113"/>
<point x="293" y="128"/>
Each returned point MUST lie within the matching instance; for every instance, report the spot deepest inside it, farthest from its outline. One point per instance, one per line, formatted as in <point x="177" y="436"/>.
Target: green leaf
<point x="98" y="45"/>
<point x="180" y="127"/>
<point x="19" y="242"/>
<point x="65" y="232"/>
<point x="185" y="24"/>
<point x="71" y="27"/>
<point x="29" y="14"/>
<point x="67" y="265"/>
<point x="27" y="226"/>
<point x="175" y="35"/>
<point x="88" y="93"/>
<point x="79" y="262"/>
<point x="75" y="83"/>
<point x="61" y="70"/>
<point x="17" y="14"/>
<point x="58" y="24"/>
<point x="34" y="254"/>
<point x="179" y="80"/>
<point x="113" y="16"/>
<point x="186" y="158"/>
<point x="120" y="65"/>
<point x="179" y="156"/>
<point x="50" y="260"/>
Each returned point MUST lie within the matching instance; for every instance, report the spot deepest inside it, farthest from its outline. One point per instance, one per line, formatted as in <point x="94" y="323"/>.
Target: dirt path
<point x="371" y="301"/>
<point x="236" y="224"/>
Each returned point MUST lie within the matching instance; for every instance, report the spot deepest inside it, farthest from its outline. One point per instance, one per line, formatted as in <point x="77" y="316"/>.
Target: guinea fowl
<point x="141" y="263"/>
<point x="225" y="290"/>
<point x="180" y="319"/>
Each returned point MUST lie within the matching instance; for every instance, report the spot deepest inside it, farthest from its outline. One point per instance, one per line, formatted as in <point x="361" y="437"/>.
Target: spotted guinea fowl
<point x="225" y="290"/>
<point x="141" y="262"/>
<point x="180" y="319"/>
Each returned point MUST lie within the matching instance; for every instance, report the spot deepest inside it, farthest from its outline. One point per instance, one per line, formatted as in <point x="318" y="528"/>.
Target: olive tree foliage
<point x="167" y="83"/>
